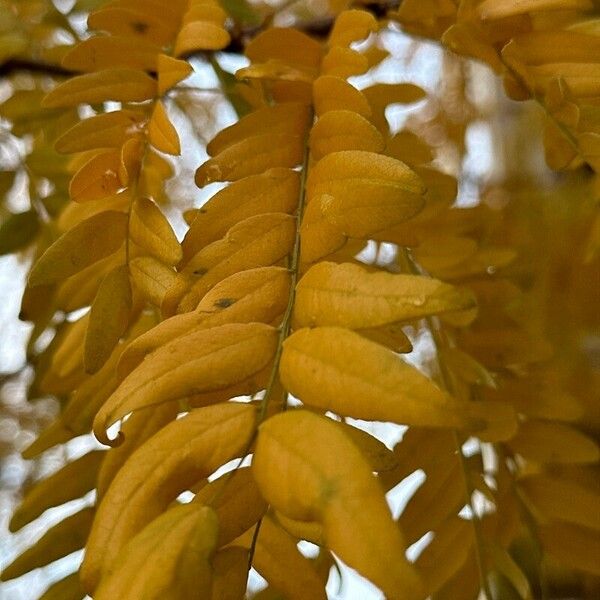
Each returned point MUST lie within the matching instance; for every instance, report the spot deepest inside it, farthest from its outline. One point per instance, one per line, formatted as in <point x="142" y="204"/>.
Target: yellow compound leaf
<point x="352" y="26"/>
<point x="336" y="369"/>
<point x="109" y="318"/>
<point x="202" y="361"/>
<point x="572" y="546"/>
<point x="61" y="539"/>
<point x="161" y="133"/>
<point x="276" y="190"/>
<point x="68" y="483"/>
<point x="335" y="93"/>
<point x="98" y="178"/>
<point x="88" y="242"/>
<point x="120" y="85"/>
<point x="253" y="295"/>
<point x="106" y="130"/>
<point x="308" y="469"/>
<point x="343" y="130"/>
<point x="67" y="588"/>
<point x="201" y="35"/>
<point x="178" y="456"/>
<point x="290" y="46"/>
<point x="349" y="295"/>
<point x="547" y="442"/>
<point x="230" y="574"/>
<point x="152" y="278"/>
<point x="150" y="230"/>
<point x="561" y="499"/>
<point x="110" y="52"/>
<point x="169" y="558"/>
<point x="363" y="192"/>
<point x="237" y="501"/>
<point x="171" y="71"/>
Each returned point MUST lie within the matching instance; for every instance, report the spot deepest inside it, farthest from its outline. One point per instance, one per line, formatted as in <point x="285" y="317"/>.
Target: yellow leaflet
<point x="441" y="252"/>
<point x="311" y="531"/>
<point x="441" y="495"/>
<point x="446" y="554"/>
<point x="349" y="295"/>
<point x="363" y="192"/>
<point x="335" y="93"/>
<point x="255" y="242"/>
<point x="375" y="452"/>
<point x="251" y="156"/>
<point x="500" y="9"/>
<point x="170" y="558"/>
<point x="290" y="118"/>
<point x="320" y="237"/>
<point x="352" y="26"/>
<point x="381" y="95"/>
<point x="97" y="178"/>
<point x="68" y="483"/>
<point x="120" y="85"/>
<point x="561" y="499"/>
<point x="308" y="469"/>
<point x="150" y="230"/>
<point x="176" y="457"/>
<point x="287" y="45"/>
<point x="79" y="290"/>
<point x="78" y="414"/>
<point x="230" y="574"/>
<point x="467" y="368"/>
<point x="275" y="70"/>
<point x="279" y="561"/>
<point x="202" y="361"/>
<point x="110" y="52"/>
<point x="151" y="277"/>
<point x="136" y="430"/>
<point x="171" y="71"/>
<point x="276" y="190"/>
<point x="464" y="39"/>
<point x="58" y="541"/>
<point x="336" y="369"/>
<point x="109" y="130"/>
<point x="130" y="163"/>
<point x="161" y="133"/>
<point x="75" y="213"/>
<point x="109" y="318"/>
<point x="391" y="336"/>
<point x="409" y="148"/>
<point x="89" y="241"/>
<point x="500" y="560"/>
<point x="200" y="35"/>
<point x="236" y="500"/>
<point x="254" y="295"/>
<point x="68" y="588"/>
<point x="546" y="442"/>
<point x="344" y="63"/>
<point x="343" y="130"/>
<point x="572" y="546"/>
<point x="156" y="24"/>
<point x="205" y="10"/>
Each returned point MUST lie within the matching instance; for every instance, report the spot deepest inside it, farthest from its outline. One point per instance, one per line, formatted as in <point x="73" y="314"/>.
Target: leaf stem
<point x="294" y="263"/>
